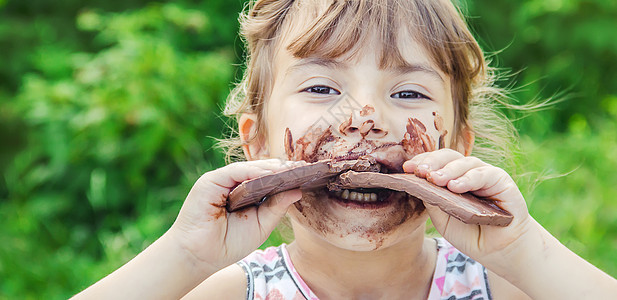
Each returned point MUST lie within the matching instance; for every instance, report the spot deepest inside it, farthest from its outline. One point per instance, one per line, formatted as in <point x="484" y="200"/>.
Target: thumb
<point x="438" y="217"/>
<point x="454" y="230"/>
<point x="275" y="207"/>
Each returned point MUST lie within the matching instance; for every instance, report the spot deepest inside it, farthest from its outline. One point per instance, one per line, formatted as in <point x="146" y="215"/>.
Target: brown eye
<point x="409" y="95"/>
<point x="321" y="89"/>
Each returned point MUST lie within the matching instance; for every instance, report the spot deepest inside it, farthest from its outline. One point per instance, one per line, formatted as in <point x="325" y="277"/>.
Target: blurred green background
<point x="109" y="110"/>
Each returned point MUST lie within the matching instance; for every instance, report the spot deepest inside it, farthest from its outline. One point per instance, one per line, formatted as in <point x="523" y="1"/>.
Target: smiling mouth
<point x="365" y="198"/>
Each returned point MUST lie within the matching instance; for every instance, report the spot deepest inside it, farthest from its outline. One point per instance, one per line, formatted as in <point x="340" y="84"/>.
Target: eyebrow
<point x="413" y="68"/>
<point x="324" y="62"/>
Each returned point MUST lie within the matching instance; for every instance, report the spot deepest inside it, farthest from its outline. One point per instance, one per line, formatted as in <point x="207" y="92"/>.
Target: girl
<point x="395" y="80"/>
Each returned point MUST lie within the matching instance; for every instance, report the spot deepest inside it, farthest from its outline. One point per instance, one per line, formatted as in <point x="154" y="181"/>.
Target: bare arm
<point x="162" y="271"/>
<point x="229" y="283"/>
<point x="504" y="290"/>
<point x="546" y="269"/>
<point x="204" y="238"/>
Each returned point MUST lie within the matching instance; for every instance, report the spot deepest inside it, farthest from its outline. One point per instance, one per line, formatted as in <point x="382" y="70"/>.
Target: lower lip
<point x="364" y="205"/>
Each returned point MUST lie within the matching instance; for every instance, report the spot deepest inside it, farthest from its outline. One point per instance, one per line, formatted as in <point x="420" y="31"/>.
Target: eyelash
<point x="332" y="91"/>
<point x="312" y="90"/>
<point x="412" y="95"/>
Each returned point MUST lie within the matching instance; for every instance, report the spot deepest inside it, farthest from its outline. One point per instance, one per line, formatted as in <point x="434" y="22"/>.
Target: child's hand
<point x="462" y="174"/>
<point x="216" y="238"/>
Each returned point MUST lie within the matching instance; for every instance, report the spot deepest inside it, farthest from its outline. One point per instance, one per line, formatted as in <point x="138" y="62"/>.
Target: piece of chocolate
<point x="465" y="207"/>
<point x="362" y="173"/>
<point x="309" y="176"/>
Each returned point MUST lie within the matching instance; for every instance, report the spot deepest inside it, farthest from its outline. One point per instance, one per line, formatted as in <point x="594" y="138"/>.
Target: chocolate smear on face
<point x="442" y="131"/>
<point x="309" y="147"/>
<point x="416" y="140"/>
<point x="313" y="208"/>
<point x="354" y="140"/>
<point x="289" y="150"/>
<point x="359" y="136"/>
<point x="345" y="126"/>
<point x="367" y="110"/>
<point x="366" y="128"/>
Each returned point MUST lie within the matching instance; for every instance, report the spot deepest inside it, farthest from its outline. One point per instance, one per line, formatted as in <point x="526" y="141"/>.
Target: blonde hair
<point x="335" y="27"/>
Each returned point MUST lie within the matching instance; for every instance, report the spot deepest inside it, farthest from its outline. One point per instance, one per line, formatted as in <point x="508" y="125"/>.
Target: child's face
<point x="367" y="106"/>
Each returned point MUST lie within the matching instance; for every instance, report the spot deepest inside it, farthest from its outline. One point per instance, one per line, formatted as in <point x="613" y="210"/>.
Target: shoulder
<point x="228" y="283"/>
<point x="250" y="276"/>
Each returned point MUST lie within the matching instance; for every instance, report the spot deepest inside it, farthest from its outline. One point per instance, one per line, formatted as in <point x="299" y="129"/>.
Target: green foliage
<point x="574" y="194"/>
<point x="557" y="46"/>
<point x="112" y="147"/>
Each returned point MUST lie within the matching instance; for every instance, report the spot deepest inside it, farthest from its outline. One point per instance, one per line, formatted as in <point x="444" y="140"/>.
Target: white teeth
<point x="353" y="196"/>
<point x="357" y="196"/>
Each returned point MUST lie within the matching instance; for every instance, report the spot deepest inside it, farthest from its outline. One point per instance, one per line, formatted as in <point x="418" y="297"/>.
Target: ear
<point x="465" y="144"/>
<point x="247" y="125"/>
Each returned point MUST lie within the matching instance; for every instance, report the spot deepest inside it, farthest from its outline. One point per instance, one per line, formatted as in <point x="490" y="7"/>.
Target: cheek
<point x="422" y="131"/>
<point x="277" y="118"/>
<point x="299" y="119"/>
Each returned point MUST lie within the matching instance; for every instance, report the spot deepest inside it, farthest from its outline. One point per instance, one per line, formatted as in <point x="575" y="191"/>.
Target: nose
<point x="363" y="124"/>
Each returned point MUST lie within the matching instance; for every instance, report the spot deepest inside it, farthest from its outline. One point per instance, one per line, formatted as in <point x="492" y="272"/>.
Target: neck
<point x="400" y="270"/>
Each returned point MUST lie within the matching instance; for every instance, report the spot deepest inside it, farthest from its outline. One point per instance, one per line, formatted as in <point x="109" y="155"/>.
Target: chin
<point x="367" y="221"/>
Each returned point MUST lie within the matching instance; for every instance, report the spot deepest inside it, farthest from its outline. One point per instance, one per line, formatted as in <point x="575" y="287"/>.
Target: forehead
<point x="346" y="30"/>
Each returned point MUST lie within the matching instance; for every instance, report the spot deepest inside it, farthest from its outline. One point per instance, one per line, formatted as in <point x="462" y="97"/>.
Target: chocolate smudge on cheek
<point x="416" y="140"/>
<point x="308" y="147"/>
<point x="289" y="150"/>
<point x="312" y="207"/>
<point x="442" y="131"/>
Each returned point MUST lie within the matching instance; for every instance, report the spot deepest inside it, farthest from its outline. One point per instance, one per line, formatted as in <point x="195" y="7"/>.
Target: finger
<point x="454" y="169"/>
<point x="208" y="197"/>
<point x="411" y="165"/>
<point x="485" y="179"/>
<point x="275" y="207"/>
<point x="422" y="164"/>
<point x="438" y="217"/>
<point x="453" y="230"/>
<point x="230" y="175"/>
<point x="275" y="163"/>
<point x="254" y="224"/>
<point x="443" y="222"/>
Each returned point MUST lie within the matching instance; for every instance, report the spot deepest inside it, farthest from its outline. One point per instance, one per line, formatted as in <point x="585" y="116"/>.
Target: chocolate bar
<point x="309" y="176"/>
<point x="363" y="173"/>
<point x="465" y="207"/>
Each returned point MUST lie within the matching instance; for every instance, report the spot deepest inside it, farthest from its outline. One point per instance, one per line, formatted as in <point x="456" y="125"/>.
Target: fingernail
<point x="455" y="181"/>
<point x="438" y="173"/>
<point x="423" y="166"/>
